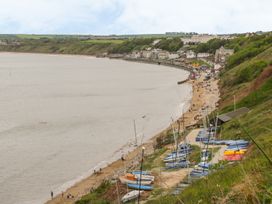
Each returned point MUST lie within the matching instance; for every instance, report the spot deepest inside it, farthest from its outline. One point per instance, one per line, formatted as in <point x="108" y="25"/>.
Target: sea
<point x="62" y="116"/>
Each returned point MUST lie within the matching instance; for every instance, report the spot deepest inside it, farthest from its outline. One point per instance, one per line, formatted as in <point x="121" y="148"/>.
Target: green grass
<point x="104" y="41"/>
<point x="29" y="36"/>
<point x="194" y="157"/>
<point x="250" y="180"/>
<point x="154" y="161"/>
<point x="95" y="196"/>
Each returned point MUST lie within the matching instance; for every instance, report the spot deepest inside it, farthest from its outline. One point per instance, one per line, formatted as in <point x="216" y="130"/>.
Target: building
<point x="190" y="54"/>
<point x="173" y="56"/>
<point x="196" y="39"/>
<point x="222" y="54"/>
<point x="163" y="55"/>
<point x="146" y="54"/>
<point x="203" y="55"/>
<point x="136" y="54"/>
<point x="233" y="114"/>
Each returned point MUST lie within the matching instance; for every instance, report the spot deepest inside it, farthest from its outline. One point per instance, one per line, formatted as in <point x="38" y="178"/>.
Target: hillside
<point x="248" y="76"/>
<point x="77" y="45"/>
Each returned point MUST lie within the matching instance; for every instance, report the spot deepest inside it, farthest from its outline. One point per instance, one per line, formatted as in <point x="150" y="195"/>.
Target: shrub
<point x="171" y="45"/>
<point x="251" y="71"/>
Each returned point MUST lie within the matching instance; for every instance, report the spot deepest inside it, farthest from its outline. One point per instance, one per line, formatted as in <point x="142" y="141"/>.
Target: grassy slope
<point x="248" y="181"/>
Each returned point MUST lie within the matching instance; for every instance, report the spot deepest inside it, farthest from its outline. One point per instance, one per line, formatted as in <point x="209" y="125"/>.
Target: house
<point x="146" y="54"/>
<point x="196" y="39"/>
<point x="173" y="56"/>
<point x="203" y="55"/>
<point x="233" y="114"/>
<point x="136" y="54"/>
<point x="222" y="54"/>
<point x="162" y="55"/>
<point x="3" y="42"/>
<point x="190" y="54"/>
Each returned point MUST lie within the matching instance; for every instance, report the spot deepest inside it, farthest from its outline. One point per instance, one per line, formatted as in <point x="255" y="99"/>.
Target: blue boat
<point x="174" y="165"/>
<point x="199" y="173"/>
<point x="141" y="172"/>
<point x="204" y="165"/>
<point x="142" y="187"/>
<point x="174" y="154"/>
<point x="237" y="142"/>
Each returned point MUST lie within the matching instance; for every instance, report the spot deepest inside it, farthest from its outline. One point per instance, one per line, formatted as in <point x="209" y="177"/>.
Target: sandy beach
<point x="205" y="94"/>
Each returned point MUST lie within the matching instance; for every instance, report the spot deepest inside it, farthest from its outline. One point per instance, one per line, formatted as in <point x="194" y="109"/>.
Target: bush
<point x="251" y="71"/>
<point x="171" y="45"/>
<point x="211" y="46"/>
<point x="132" y="44"/>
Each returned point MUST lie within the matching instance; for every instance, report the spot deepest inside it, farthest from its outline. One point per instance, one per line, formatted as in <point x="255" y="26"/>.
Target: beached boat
<point x="145" y="177"/>
<point x="141" y="172"/>
<point x="237" y="142"/>
<point x="141" y="187"/>
<point x="236" y="157"/>
<point x="174" y="154"/>
<point x="173" y="165"/>
<point x="174" y="159"/>
<point x="132" y="179"/>
<point x="199" y="173"/>
<point x="131" y="196"/>
<point x="204" y="165"/>
<point x="234" y="152"/>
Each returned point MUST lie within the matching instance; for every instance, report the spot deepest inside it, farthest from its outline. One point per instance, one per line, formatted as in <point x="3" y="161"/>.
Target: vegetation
<point x="248" y="48"/>
<point x="95" y="196"/>
<point x="170" y="44"/>
<point x="211" y="46"/>
<point x="248" y="76"/>
<point x="250" y="180"/>
<point x="131" y="45"/>
<point x="154" y="160"/>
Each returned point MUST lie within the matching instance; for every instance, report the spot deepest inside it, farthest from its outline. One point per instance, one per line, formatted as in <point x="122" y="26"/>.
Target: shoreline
<point x="200" y="98"/>
<point x="171" y="65"/>
<point x="113" y="169"/>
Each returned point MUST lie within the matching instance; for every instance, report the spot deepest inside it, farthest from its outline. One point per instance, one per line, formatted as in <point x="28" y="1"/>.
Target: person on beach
<point x="52" y="195"/>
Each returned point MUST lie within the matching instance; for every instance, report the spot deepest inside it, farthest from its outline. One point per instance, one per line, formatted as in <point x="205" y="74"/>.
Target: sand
<point x="203" y="96"/>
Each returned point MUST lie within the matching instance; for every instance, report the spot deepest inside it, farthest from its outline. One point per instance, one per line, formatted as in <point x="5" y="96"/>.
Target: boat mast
<point x="135" y="133"/>
<point x="141" y="171"/>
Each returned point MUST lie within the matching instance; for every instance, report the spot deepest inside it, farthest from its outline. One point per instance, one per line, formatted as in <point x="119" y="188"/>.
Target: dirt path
<point x="219" y="155"/>
<point x="170" y="179"/>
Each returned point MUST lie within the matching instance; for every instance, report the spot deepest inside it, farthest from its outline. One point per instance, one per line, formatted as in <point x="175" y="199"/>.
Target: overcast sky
<point x="134" y="16"/>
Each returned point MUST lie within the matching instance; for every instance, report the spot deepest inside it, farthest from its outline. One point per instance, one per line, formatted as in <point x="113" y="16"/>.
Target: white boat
<point x="130" y="196"/>
<point x="174" y="159"/>
<point x="145" y="177"/>
<point x="125" y="180"/>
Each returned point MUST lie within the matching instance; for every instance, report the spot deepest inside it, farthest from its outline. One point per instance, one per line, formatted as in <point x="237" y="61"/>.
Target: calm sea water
<point x="60" y="116"/>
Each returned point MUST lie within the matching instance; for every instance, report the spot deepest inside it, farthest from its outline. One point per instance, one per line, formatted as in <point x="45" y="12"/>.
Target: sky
<point x="104" y="17"/>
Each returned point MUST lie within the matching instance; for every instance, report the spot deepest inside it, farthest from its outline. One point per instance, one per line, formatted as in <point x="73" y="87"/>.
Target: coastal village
<point x="188" y="150"/>
<point x="208" y="149"/>
<point x="134" y="101"/>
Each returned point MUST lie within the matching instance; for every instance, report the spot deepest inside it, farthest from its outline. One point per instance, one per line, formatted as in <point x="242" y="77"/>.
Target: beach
<point x="205" y="95"/>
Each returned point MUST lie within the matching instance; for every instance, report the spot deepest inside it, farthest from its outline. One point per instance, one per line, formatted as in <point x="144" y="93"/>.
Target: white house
<point x="146" y="54"/>
<point x="190" y="54"/>
<point x="162" y="55"/>
<point x="222" y="54"/>
<point x="203" y="55"/>
<point x="173" y="56"/>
